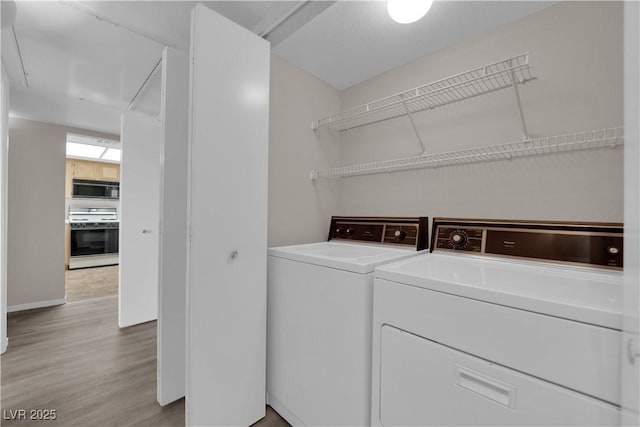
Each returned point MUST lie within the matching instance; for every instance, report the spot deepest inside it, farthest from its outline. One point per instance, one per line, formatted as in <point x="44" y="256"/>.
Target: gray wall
<point x="35" y="238"/>
<point x="299" y="209"/>
<point x="576" y="53"/>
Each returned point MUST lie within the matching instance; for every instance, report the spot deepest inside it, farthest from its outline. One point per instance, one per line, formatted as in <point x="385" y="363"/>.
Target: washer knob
<point x="612" y="250"/>
<point x="400" y="234"/>
<point x="340" y="230"/>
<point x="350" y="231"/>
<point x="458" y="239"/>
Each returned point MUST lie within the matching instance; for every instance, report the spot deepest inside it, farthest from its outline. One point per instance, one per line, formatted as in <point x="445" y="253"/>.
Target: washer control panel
<point x="593" y="244"/>
<point x="460" y="238"/>
<point x="409" y="232"/>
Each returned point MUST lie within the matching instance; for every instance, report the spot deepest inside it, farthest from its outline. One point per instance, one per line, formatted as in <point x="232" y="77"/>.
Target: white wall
<point x="35" y="258"/>
<point x="630" y="372"/>
<point x="4" y="147"/>
<point x="576" y="53"/>
<point x="299" y="209"/>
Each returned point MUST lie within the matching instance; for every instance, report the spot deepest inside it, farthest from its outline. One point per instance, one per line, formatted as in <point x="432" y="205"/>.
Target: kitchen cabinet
<point x="68" y="179"/>
<point x="93" y="171"/>
<point x="109" y="172"/>
<point x="86" y="170"/>
<point x="67" y="245"/>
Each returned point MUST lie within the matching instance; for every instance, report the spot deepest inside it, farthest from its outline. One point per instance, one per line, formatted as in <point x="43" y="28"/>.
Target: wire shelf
<point x="490" y="78"/>
<point x="601" y="138"/>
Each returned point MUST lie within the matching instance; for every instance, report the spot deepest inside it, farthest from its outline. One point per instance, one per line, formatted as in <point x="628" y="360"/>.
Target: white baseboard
<point x="38" y="304"/>
<point x="283" y="411"/>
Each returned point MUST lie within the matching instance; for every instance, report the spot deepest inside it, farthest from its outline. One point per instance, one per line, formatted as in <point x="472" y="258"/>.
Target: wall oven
<point x="94" y="237"/>
<point x="87" y="189"/>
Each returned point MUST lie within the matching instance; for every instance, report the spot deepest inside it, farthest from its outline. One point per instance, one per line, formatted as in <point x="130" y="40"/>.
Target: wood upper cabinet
<point x="109" y="172"/>
<point x="95" y="171"/>
<point x="86" y="170"/>
<point x="68" y="180"/>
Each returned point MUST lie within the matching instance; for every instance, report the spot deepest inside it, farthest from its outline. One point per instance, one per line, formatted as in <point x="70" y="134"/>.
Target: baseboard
<point x="283" y="411"/>
<point x="38" y="304"/>
<point x="3" y="346"/>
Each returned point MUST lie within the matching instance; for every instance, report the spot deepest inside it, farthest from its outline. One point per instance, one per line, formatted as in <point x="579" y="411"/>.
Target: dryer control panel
<point x="592" y="244"/>
<point x="408" y="232"/>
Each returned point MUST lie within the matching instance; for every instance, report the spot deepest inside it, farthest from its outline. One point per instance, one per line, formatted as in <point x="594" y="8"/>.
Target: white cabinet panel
<point x="172" y="275"/>
<point x="140" y="187"/>
<point x="425" y="383"/>
<point x="227" y="252"/>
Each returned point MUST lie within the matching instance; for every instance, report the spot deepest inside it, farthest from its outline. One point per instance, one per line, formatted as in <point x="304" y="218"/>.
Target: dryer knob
<point x="458" y="239"/>
<point x="400" y="234"/>
<point x="340" y="230"/>
<point x="350" y="231"/>
<point x="612" y="250"/>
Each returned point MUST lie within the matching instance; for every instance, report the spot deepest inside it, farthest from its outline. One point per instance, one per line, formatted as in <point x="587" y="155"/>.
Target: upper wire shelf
<point x="490" y="78"/>
<point x="609" y="137"/>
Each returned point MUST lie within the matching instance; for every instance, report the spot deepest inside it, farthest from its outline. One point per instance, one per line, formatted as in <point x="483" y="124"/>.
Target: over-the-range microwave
<point x="85" y="189"/>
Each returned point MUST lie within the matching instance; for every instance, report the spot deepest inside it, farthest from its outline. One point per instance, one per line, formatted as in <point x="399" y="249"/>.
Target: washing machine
<point x="505" y="323"/>
<point x="319" y="307"/>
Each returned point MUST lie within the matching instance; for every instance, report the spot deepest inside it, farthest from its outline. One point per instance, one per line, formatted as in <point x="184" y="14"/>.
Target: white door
<point x="139" y="205"/>
<point x="4" y="151"/>
<point x="631" y="340"/>
<point x="172" y="274"/>
<point x="226" y="289"/>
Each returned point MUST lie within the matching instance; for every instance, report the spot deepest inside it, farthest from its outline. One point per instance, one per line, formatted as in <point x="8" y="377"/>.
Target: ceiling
<point x="81" y="63"/>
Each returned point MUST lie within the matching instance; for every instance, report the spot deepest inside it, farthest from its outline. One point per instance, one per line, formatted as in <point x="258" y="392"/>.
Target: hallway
<point x="74" y="359"/>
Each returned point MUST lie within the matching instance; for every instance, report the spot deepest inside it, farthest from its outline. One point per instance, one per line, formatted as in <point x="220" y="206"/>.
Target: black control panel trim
<point x="592" y="244"/>
<point x="398" y="231"/>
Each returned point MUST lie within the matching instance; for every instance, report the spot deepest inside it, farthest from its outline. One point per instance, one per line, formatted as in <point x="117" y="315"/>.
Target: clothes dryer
<point x="506" y="323"/>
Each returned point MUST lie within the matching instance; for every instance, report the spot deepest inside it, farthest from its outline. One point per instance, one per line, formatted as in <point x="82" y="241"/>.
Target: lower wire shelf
<point x="600" y="138"/>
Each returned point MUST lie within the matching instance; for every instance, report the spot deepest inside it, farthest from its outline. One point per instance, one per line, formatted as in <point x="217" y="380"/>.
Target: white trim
<point x="3" y="345"/>
<point x="93" y="260"/>
<point x="38" y="304"/>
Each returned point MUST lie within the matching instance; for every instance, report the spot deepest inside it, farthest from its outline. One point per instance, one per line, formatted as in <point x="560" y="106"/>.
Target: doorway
<point x="92" y="206"/>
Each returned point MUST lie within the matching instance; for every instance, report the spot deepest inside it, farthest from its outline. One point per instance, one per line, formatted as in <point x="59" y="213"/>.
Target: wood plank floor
<point x="88" y="283"/>
<point x="74" y="359"/>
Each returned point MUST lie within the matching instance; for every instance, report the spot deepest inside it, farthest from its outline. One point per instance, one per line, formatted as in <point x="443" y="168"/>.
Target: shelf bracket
<point x="525" y="134"/>
<point x="413" y="125"/>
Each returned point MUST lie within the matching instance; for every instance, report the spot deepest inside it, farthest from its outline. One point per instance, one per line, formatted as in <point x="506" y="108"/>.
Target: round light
<point x="408" y="11"/>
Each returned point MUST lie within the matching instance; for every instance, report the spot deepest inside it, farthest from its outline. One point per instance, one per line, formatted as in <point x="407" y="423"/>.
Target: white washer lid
<point x="354" y="257"/>
<point x="577" y="293"/>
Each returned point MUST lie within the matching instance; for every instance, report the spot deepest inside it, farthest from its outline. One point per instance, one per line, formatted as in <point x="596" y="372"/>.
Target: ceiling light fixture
<point x="408" y="11"/>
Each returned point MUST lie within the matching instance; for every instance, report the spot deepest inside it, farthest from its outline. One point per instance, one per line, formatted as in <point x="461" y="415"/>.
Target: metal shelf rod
<point x="600" y="138"/>
<point x="489" y="78"/>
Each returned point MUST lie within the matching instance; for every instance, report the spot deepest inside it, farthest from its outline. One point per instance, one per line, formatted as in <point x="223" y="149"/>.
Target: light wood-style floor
<point x="74" y="359"/>
<point x="87" y="283"/>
